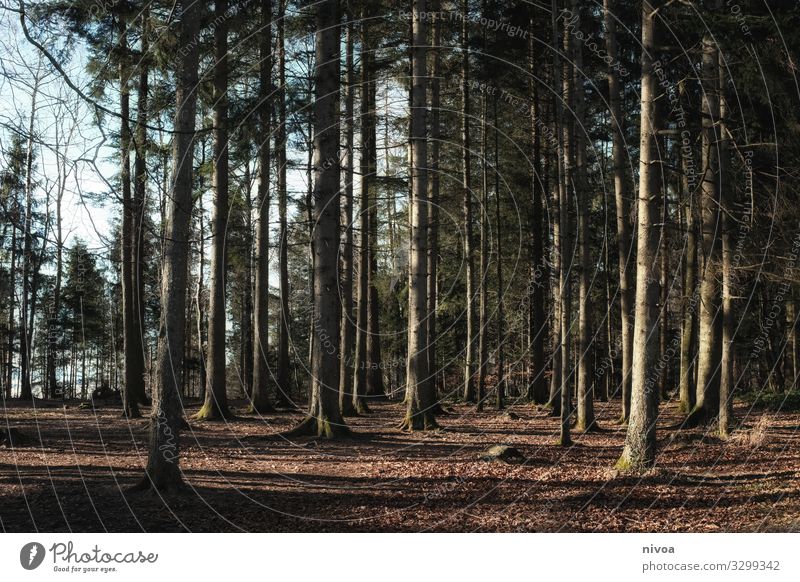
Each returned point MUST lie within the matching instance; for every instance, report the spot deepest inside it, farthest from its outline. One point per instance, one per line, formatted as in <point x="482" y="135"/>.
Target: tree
<point x="586" y="418"/>
<point x="348" y="327"/>
<point x="260" y="401"/>
<point x="466" y="162"/>
<point x="366" y="169"/>
<point x="134" y="365"/>
<point x="215" y="406"/>
<point x="433" y="193"/>
<point x="163" y="471"/>
<point x="283" y="261"/>
<point x="639" y="451"/>
<point x="537" y="390"/>
<point x="419" y="389"/>
<point x="624" y="247"/>
<point x="324" y="418"/>
<point x="710" y="333"/>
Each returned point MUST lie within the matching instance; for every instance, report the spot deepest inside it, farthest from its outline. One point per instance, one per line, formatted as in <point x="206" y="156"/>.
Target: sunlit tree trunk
<point x="163" y="472"/>
<point x="726" y="384"/>
<point x="639" y="451"/>
<point x="566" y="191"/>
<point x="625" y="254"/>
<point x="348" y="326"/>
<point x="419" y="399"/>
<point x="709" y="339"/>
<point x="216" y="402"/>
<point x="586" y="420"/>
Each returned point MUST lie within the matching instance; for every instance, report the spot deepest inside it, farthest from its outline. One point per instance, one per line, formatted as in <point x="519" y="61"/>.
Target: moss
<point x="320" y="428"/>
<point x="419" y="421"/>
<point x="623" y="464"/>
<point x="361" y="406"/>
<point x="211" y="410"/>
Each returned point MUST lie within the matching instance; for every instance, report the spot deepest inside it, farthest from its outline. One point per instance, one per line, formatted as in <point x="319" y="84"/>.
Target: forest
<point x="364" y="265"/>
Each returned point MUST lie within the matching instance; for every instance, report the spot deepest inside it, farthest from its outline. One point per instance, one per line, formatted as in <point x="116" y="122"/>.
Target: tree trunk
<point x="260" y="401"/>
<point x="566" y="190"/>
<point x="433" y="198"/>
<point x="726" y="384"/>
<point x="556" y="379"/>
<point x="483" y="344"/>
<point x="501" y="389"/>
<point x="709" y="340"/>
<point x="348" y="327"/>
<point x="469" y="381"/>
<point x="624" y="246"/>
<point x="639" y="452"/>
<point x="586" y="418"/>
<point x="283" y="381"/>
<point x="374" y="358"/>
<point x="365" y="168"/>
<point x="163" y="471"/>
<point x="130" y="396"/>
<point x="537" y="390"/>
<point x="688" y="364"/>
<point x="27" y="299"/>
<point x="215" y="406"/>
<point x="324" y="418"/>
<point x="419" y="393"/>
<point x="139" y="196"/>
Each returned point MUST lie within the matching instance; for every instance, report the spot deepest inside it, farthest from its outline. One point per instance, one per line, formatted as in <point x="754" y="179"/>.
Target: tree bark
<point x="419" y="398"/>
<point x="260" y="401"/>
<point x="639" y="452"/>
<point x="624" y="247"/>
<point x="348" y="327"/>
<point x="283" y="397"/>
<point x="688" y="364"/>
<point x="163" y="471"/>
<point x="215" y="406"/>
<point x="586" y="420"/>
<point x="566" y="189"/>
<point x="708" y="365"/>
<point x="537" y="390"/>
<point x="466" y="160"/>
<point x="726" y="385"/>
<point x="433" y="197"/>
<point x="139" y="196"/>
<point x="324" y="418"/>
<point x="366" y="170"/>
<point x="133" y="378"/>
<point x="500" y="394"/>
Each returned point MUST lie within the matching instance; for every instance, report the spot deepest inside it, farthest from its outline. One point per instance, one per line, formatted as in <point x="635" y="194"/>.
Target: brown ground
<point x="77" y="478"/>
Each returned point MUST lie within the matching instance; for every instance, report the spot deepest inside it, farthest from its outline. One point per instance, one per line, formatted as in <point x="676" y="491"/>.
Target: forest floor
<point x="74" y="471"/>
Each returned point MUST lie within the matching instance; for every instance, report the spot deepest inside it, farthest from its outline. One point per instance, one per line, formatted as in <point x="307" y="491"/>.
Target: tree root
<point x="318" y="427"/>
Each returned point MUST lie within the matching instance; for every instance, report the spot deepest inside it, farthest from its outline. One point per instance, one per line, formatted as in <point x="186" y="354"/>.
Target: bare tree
<point x="419" y="393"/>
<point x="640" y="441"/>
<point x="260" y="401"/>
